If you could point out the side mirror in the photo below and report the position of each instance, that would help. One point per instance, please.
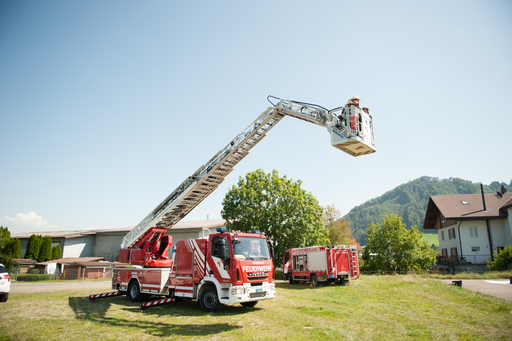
(271, 249)
(223, 249)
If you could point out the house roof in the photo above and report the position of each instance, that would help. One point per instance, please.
(182, 225)
(24, 261)
(465, 207)
(71, 260)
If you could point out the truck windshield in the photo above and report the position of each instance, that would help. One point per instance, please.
(250, 248)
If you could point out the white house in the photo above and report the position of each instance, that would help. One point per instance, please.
(471, 227)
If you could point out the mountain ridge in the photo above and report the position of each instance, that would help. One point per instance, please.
(410, 201)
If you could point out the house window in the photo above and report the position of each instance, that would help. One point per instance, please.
(453, 251)
(451, 234)
(442, 235)
(444, 252)
(475, 249)
(473, 232)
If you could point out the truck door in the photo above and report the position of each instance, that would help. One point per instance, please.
(341, 261)
(219, 263)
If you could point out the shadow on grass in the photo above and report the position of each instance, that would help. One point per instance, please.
(305, 285)
(96, 311)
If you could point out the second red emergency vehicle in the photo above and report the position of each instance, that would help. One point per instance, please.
(332, 264)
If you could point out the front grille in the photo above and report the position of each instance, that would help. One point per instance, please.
(257, 294)
(257, 278)
(256, 284)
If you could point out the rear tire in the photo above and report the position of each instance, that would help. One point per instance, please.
(209, 300)
(314, 280)
(134, 292)
(4, 297)
(249, 304)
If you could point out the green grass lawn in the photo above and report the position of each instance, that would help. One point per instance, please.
(371, 308)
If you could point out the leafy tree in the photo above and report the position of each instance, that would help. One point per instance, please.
(392, 247)
(287, 214)
(502, 261)
(339, 231)
(56, 252)
(5, 236)
(45, 253)
(7, 249)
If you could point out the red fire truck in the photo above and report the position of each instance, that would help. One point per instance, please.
(332, 264)
(225, 267)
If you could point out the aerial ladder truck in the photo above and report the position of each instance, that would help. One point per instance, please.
(224, 267)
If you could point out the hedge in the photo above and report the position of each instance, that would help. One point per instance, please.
(34, 277)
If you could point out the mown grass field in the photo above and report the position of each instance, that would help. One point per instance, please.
(371, 308)
(431, 238)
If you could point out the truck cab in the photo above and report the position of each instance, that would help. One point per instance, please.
(241, 269)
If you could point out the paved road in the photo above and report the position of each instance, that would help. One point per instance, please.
(18, 287)
(495, 287)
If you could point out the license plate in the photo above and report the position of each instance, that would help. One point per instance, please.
(258, 290)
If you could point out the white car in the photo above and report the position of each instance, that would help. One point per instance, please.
(5, 284)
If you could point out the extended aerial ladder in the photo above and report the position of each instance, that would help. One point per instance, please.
(146, 244)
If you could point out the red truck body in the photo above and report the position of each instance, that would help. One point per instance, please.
(333, 264)
(223, 268)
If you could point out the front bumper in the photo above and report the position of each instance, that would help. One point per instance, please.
(247, 293)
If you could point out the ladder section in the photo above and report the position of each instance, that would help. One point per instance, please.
(206, 179)
(308, 112)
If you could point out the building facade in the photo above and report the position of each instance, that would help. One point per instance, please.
(105, 243)
(472, 228)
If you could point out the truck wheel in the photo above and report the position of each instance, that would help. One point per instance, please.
(209, 300)
(345, 282)
(249, 304)
(314, 280)
(290, 278)
(134, 292)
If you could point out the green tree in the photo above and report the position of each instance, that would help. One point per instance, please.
(338, 229)
(56, 252)
(45, 253)
(395, 248)
(5, 236)
(7, 249)
(33, 247)
(287, 214)
(502, 261)
(16, 248)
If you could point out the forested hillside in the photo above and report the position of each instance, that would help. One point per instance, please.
(410, 200)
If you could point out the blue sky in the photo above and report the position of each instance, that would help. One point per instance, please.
(107, 106)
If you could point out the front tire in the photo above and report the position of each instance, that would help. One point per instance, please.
(314, 280)
(134, 292)
(290, 278)
(209, 300)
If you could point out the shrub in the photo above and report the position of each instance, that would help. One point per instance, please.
(33, 271)
(34, 277)
(502, 261)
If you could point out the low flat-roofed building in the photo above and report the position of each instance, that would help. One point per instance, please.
(105, 242)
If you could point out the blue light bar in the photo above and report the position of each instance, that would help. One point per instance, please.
(255, 231)
(221, 229)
